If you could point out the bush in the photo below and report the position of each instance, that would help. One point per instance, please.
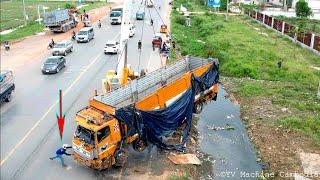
(180, 20)
(302, 9)
(69, 5)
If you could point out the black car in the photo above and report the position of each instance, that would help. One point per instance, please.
(53, 64)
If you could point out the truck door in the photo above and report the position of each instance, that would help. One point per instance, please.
(106, 146)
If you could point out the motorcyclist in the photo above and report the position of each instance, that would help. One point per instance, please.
(6, 45)
(99, 24)
(139, 45)
(73, 35)
(151, 22)
(52, 43)
(164, 47)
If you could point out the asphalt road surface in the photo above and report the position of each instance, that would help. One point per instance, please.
(29, 132)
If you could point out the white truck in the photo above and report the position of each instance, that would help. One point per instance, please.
(116, 15)
(6, 85)
(60, 20)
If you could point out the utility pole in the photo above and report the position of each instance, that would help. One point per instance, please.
(227, 10)
(24, 13)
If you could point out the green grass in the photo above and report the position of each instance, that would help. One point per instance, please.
(12, 16)
(247, 50)
(12, 11)
(310, 125)
(186, 176)
(248, 89)
(25, 31)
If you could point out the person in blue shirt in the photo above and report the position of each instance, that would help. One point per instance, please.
(60, 152)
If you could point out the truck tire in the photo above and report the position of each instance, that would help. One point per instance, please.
(198, 107)
(120, 157)
(8, 97)
(139, 145)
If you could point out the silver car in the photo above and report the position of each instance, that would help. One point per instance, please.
(62, 48)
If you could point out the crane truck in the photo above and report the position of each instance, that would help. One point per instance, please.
(101, 136)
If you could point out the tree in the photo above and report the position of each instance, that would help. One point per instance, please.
(302, 9)
(69, 5)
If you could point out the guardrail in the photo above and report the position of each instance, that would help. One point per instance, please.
(306, 39)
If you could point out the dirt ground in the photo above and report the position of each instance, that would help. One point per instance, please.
(278, 147)
(35, 47)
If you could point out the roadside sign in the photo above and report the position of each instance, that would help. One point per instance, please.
(214, 3)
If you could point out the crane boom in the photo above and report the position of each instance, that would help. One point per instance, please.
(124, 36)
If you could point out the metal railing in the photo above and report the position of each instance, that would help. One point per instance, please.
(146, 85)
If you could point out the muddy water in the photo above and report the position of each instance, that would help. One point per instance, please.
(233, 155)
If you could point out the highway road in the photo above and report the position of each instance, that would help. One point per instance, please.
(29, 132)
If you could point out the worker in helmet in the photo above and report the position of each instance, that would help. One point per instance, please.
(60, 152)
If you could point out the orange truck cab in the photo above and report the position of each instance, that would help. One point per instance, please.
(100, 137)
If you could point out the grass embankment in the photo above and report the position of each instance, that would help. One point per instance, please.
(12, 16)
(278, 98)
(312, 25)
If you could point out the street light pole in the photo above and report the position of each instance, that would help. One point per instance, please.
(24, 13)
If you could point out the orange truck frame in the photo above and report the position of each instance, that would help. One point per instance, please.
(99, 137)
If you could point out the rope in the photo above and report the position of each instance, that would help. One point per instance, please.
(154, 32)
(160, 17)
(142, 32)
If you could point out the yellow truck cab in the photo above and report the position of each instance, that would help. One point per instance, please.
(96, 138)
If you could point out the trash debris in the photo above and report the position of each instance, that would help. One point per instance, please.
(184, 159)
(230, 116)
(264, 166)
(200, 41)
(216, 128)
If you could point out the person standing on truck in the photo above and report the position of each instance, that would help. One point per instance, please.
(60, 152)
(139, 45)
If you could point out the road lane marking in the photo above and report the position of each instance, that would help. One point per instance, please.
(50, 109)
(47, 112)
(148, 66)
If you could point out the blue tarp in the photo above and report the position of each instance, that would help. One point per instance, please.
(154, 126)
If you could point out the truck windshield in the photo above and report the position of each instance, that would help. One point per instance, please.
(85, 135)
(60, 45)
(82, 32)
(115, 14)
(114, 80)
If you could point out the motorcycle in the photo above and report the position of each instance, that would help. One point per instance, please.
(73, 36)
(6, 46)
(151, 22)
(99, 24)
(51, 45)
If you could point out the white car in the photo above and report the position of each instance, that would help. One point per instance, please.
(132, 30)
(112, 47)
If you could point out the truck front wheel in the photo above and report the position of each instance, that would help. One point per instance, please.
(120, 157)
(8, 98)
